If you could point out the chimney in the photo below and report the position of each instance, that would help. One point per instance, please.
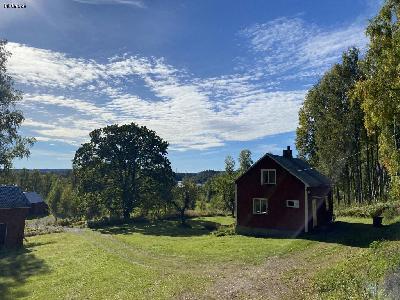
(287, 153)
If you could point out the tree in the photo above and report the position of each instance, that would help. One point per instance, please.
(379, 88)
(245, 161)
(184, 197)
(118, 162)
(224, 186)
(331, 133)
(54, 199)
(12, 145)
(69, 203)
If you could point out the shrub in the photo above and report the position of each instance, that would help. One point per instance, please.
(388, 209)
(225, 230)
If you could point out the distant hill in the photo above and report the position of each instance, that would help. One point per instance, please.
(54, 171)
(200, 177)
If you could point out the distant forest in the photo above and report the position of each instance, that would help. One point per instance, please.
(200, 177)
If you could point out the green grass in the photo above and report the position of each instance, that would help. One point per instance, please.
(164, 261)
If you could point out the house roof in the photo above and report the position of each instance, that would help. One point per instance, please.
(12, 197)
(33, 197)
(298, 168)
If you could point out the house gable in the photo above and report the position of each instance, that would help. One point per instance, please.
(287, 187)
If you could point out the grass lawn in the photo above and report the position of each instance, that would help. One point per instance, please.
(164, 261)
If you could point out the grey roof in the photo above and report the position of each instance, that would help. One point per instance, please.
(12, 196)
(33, 197)
(298, 168)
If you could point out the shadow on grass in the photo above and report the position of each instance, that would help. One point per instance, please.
(355, 234)
(162, 228)
(16, 266)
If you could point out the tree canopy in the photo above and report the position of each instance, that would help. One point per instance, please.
(12, 144)
(121, 165)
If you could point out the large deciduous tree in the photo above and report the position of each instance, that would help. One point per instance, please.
(12, 145)
(379, 89)
(331, 133)
(119, 164)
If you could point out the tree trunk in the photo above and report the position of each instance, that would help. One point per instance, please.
(182, 217)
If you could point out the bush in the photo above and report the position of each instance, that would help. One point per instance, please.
(225, 230)
(388, 209)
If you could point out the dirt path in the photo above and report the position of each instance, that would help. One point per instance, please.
(279, 277)
(285, 277)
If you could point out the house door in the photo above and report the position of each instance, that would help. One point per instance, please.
(3, 232)
(314, 212)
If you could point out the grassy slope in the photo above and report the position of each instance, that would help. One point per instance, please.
(159, 261)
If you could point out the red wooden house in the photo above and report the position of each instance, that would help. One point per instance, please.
(282, 194)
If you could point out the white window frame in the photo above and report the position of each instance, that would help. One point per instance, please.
(296, 203)
(254, 206)
(267, 171)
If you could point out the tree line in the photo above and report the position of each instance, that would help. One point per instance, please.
(349, 125)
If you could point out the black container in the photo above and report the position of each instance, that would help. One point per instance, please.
(377, 221)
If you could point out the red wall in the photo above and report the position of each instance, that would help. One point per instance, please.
(15, 220)
(279, 216)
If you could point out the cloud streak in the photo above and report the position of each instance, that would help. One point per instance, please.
(290, 45)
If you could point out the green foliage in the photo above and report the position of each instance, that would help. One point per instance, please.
(360, 276)
(184, 197)
(245, 160)
(386, 209)
(12, 145)
(379, 89)
(225, 230)
(54, 199)
(332, 137)
(123, 167)
(219, 191)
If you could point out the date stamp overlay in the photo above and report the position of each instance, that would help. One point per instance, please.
(14, 5)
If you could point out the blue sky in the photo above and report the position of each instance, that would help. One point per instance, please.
(211, 77)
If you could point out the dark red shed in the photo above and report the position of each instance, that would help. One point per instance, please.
(282, 194)
(14, 208)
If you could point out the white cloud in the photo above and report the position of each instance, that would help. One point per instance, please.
(189, 112)
(41, 67)
(285, 44)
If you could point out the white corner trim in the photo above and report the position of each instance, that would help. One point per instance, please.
(305, 209)
(236, 210)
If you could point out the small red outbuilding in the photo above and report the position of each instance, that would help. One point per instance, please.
(14, 208)
(282, 194)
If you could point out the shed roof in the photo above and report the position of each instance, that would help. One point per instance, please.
(298, 168)
(11, 196)
(33, 197)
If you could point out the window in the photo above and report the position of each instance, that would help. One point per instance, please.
(268, 176)
(292, 203)
(260, 206)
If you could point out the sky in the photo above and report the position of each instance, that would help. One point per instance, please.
(211, 77)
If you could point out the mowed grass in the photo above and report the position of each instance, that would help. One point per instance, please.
(165, 261)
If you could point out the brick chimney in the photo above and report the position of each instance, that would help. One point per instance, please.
(287, 153)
